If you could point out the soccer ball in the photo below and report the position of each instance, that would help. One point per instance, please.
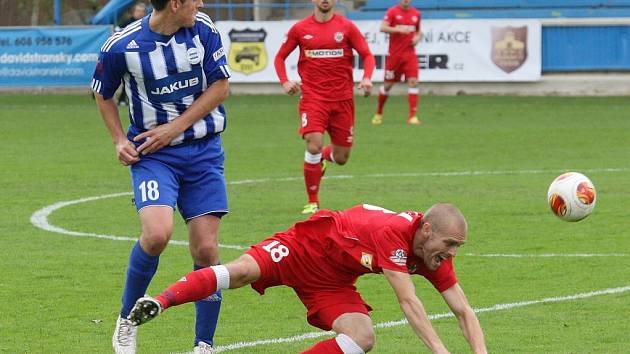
(571, 196)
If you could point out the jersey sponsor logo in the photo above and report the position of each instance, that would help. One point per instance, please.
(509, 47)
(132, 45)
(410, 28)
(338, 37)
(247, 52)
(399, 257)
(193, 56)
(324, 53)
(175, 86)
(366, 260)
(218, 54)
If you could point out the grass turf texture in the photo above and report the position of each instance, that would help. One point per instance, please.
(61, 294)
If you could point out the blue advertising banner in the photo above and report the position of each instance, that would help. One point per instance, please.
(49, 56)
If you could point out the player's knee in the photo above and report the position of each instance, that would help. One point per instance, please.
(366, 340)
(155, 239)
(205, 254)
(342, 158)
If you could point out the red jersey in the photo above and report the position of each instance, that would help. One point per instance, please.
(401, 43)
(368, 239)
(326, 59)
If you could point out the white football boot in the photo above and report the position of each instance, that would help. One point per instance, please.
(124, 339)
(203, 348)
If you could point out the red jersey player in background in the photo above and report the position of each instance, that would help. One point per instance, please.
(326, 41)
(321, 259)
(402, 22)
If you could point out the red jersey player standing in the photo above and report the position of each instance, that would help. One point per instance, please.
(326, 41)
(402, 22)
(321, 259)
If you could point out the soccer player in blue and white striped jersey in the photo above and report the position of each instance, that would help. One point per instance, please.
(174, 70)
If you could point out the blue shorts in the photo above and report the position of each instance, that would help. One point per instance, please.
(188, 175)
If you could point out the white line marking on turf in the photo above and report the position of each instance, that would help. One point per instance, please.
(497, 307)
(543, 255)
(40, 220)
(40, 217)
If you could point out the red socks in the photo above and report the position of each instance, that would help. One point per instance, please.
(312, 179)
(327, 153)
(382, 98)
(329, 346)
(413, 101)
(194, 286)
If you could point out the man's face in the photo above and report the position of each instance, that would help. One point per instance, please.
(139, 12)
(435, 247)
(405, 3)
(324, 6)
(186, 12)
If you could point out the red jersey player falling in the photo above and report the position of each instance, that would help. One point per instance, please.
(321, 259)
(402, 22)
(326, 41)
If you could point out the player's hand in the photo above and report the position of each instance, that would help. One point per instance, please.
(291, 87)
(126, 151)
(156, 138)
(366, 86)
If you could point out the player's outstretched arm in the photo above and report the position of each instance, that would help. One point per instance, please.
(468, 322)
(413, 310)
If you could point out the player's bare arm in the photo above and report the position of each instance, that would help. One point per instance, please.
(468, 322)
(162, 135)
(413, 310)
(125, 149)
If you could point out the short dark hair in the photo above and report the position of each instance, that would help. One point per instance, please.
(159, 5)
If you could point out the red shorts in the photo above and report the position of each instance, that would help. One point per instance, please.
(327, 293)
(398, 66)
(336, 117)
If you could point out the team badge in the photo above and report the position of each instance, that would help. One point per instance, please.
(338, 37)
(509, 47)
(399, 257)
(366, 260)
(193, 56)
(247, 50)
(414, 19)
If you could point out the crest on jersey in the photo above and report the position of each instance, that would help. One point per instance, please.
(247, 50)
(338, 37)
(366, 260)
(399, 257)
(509, 47)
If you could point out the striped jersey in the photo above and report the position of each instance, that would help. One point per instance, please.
(163, 75)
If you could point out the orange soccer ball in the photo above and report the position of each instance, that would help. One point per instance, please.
(572, 196)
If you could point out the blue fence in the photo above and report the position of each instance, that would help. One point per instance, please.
(439, 9)
(585, 48)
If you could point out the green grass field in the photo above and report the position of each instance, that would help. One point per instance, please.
(492, 156)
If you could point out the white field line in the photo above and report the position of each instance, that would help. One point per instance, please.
(40, 217)
(40, 220)
(497, 307)
(545, 255)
